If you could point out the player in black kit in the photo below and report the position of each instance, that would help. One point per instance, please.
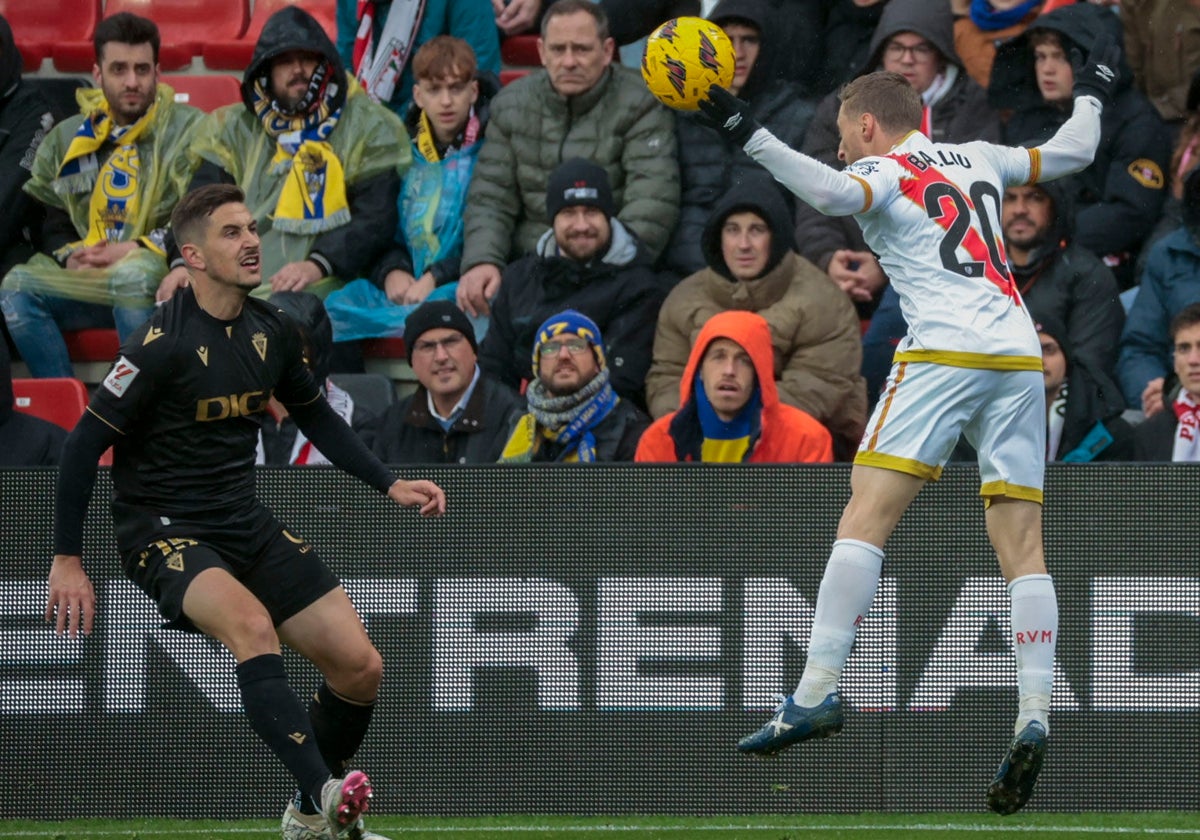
(177, 408)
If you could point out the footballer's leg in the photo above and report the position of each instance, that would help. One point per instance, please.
(879, 498)
(1015, 528)
(330, 634)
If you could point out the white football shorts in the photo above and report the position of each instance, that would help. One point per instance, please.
(926, 406)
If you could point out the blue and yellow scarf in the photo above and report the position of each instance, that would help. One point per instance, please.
(113, 184)
(565, 421)
(313, 199)
(726, 441)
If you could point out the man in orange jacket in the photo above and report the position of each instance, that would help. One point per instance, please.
(729, 405)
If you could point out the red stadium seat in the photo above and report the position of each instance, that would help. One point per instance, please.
(40, 26)
(385, 348)
(507, 76)
(60, 401)
(186, 25)
(203, 91)
(234, 53)
(520, 50)
(93, 345)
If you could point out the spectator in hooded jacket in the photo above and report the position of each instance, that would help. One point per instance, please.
(1119, 198)
(730, 410)
(334, 216)
(1059, 278)
(709, 163)
(26, 115)
(457, 414)
(752, 265)
(579, 105)
(914, 38)
(574, 415)
(590, 261)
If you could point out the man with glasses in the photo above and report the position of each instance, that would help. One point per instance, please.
(574, 414)
(591, 261)
(458, 414)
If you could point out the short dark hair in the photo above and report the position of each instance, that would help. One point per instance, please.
(888, 97)
(1189, 316)
(126, 28)
(190, 216)
(570, 7)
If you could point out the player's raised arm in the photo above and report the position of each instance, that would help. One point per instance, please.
(827, 190)
(1073, 146)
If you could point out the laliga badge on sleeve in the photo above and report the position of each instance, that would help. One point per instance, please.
(121, 376)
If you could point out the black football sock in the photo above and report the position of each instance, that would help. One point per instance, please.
(277, 716)
(340, 725)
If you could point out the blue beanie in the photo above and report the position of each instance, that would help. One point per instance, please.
(575, 323)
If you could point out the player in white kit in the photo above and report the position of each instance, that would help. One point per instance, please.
(970, 364)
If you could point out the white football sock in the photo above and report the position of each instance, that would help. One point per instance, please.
(1034, 634)
(847, 590)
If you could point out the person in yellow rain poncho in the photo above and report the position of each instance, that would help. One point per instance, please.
(105, 182)
(320, 163)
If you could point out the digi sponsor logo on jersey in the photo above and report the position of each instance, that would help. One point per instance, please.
(121, 376)
(234, 405)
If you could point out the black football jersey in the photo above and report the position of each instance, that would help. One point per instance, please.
(184, 393)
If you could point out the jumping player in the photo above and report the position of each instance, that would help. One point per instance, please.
(176, 407)
(971, 365)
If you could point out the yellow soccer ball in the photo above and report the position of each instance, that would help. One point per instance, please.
(683, 58)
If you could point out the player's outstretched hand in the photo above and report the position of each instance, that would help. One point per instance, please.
(728, 115)
(1098, 76)
(424, 495)
(71, 601)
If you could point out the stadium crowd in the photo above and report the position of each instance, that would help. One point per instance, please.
(550, 247)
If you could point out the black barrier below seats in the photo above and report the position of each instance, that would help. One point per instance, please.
(595, 639)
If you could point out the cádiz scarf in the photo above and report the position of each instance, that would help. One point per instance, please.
(567, 421)
(313, 199)
(727, 441)
(113, 184)
(378, 66)
(427, 143)
(1187, 442)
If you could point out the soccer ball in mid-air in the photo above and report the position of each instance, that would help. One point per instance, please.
(685, 57)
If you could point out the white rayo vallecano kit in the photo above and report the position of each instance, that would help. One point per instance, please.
(933, 217)
(931, 213)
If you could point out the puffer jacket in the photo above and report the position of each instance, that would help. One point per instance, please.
(814, 328)
(617, 124)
